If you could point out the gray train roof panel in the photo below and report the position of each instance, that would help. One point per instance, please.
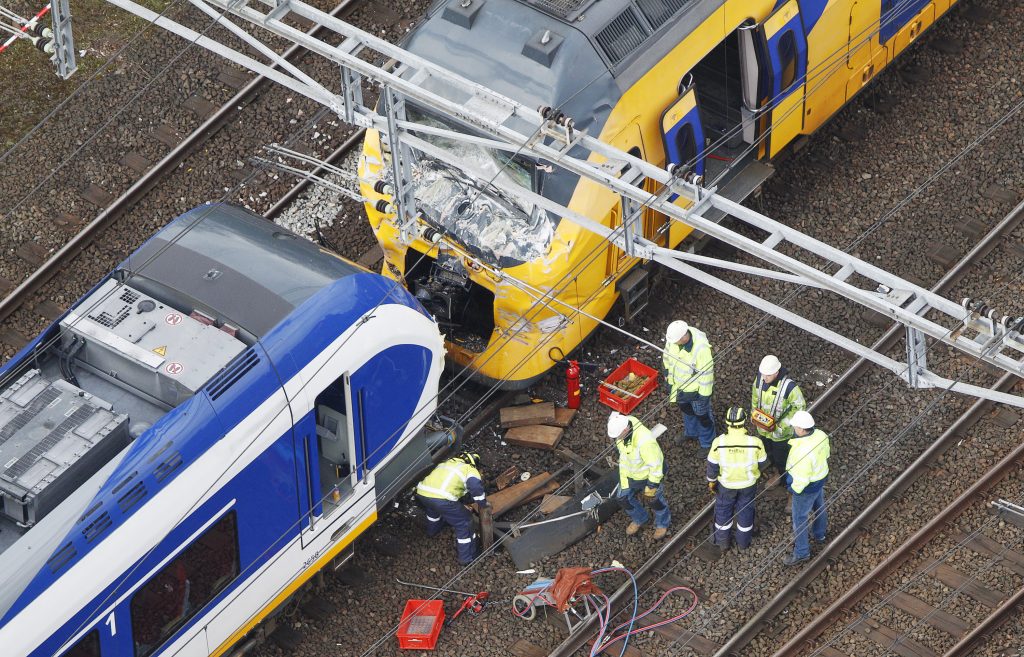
(243, 267)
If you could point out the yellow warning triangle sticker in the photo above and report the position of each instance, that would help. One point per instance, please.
(161, 351)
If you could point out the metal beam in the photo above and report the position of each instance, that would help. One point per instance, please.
(482, 116)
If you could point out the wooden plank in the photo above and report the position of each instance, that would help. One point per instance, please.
(166, 134)
(955, 579)
(505, 479)
(615, 649)
(988, 547)
(563, 417)
(538, 436)
(200, 106)
(98, 196)
(136, 162)
(48, 309)
(67, 220)
(937, 618)
(682, 636)
(33, 253)
(513, 496)
(890, 639)
(669, 580)
(521, 416)
(552, 502)
(232, 78)
(6, 285)
(486, 527)
(523, 648)
(371, 257)
(829, 651)
(12, 337)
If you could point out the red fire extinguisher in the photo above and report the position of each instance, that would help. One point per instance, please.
(572, 384)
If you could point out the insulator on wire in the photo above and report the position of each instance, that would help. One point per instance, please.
(382, 187)
(384, 207)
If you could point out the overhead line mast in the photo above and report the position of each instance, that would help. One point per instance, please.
(544, 134)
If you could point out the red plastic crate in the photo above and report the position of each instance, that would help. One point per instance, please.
(633, 400)
(421, 624)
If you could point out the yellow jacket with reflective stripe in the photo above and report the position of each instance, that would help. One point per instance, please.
(808, 459)
(780, 409)
(738, 456)
(448, 480)
(690, 371)
(641, 458)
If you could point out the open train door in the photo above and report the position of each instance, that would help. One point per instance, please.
(782, 35)
(682, 131)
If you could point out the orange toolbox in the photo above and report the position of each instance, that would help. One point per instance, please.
(620, 399)
(421, 624)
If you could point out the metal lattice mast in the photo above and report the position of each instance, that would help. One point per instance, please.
(63, 40)
(494, 121)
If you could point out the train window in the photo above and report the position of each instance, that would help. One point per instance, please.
(178, 592)
(787, 56)
(88, 646)
(686, 142)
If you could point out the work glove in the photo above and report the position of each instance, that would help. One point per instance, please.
(713, 487)
(650, 492)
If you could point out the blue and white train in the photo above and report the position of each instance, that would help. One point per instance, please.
(211, 425)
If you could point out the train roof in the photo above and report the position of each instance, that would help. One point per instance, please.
(138, 432)
(247, 270)
(578, 55)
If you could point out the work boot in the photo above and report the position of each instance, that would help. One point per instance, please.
(632, 529)
(660, 533)
(793, 560)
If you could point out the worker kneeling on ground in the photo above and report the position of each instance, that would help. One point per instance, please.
(441, 493)
(806, 472)
(641, 468)
(734, 466)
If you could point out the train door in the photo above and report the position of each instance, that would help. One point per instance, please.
(864, 56)
(629, 140)
(329, 438)
(786, 47)
(682, 130)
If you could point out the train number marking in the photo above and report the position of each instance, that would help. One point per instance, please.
(111, 622)
(173, 319)
(174, 368)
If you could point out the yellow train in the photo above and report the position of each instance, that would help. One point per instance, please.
(720, 86)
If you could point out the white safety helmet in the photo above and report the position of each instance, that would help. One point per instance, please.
(802, 420)
(676, 331)
(617, 423)
(770, 364)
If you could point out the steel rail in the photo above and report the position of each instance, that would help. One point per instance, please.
(750, 629)
(992, 621)
(581, 635)
(953, 276)
(123, 203)
(1011, 461)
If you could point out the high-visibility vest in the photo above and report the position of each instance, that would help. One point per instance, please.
(448, 480)
(781, 400)
(690, 371)
(642, 458)
(808, 459)
(737, 455)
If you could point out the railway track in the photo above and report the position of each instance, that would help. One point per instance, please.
(658, 571)
(156, 180)
(940, 580)
(149, 178)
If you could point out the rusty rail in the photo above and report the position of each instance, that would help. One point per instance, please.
(1012, 460)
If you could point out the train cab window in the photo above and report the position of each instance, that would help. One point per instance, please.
(334, 444)
(178, 592)
(787, 55)
(87, 646)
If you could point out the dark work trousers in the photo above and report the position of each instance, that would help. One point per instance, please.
(458, 516)
(778, 453)
(738, 502)
(698, 420)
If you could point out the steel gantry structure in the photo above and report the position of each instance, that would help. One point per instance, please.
(486, 118)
